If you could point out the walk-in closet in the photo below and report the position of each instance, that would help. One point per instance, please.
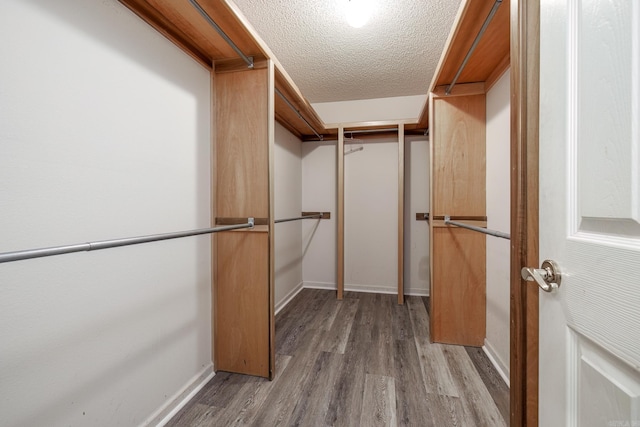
(186, 240)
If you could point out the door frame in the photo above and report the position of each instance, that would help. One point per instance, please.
(525, 82)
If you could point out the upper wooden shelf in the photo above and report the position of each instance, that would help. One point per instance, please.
(181, 23)
(489, 60)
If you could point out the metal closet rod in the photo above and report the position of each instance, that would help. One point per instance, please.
(447, 220)
(320, 137)
(487, 21)
(106, 244)
(205, 15)
(319, 216)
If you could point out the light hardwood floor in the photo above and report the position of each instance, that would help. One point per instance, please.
(362, 361)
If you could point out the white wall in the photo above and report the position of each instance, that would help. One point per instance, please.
(288, 204)
(371, 216)
(498, 218)
(416, 233)
(104, 133)
(319, 195)
(365, 110)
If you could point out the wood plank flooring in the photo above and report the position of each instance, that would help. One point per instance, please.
(362, 361)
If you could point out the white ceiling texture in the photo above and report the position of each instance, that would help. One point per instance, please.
(394, 54)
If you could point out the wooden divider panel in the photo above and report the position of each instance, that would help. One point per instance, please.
(242, 309)
(242, 148)
(459, 154)
(458, 256)
(340, 216)
(459, 299)
(243, 260)
(401, 197)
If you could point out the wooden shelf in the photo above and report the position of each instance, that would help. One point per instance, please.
(181, 23)
(490, 59)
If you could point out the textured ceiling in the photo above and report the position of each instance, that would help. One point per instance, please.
(394, 54)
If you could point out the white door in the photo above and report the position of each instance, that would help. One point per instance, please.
(590, 212)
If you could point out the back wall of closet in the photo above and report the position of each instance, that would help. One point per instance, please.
(371, 216)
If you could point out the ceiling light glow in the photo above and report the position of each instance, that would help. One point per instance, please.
(359, 12)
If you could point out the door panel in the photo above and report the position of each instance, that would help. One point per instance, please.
(589, 212)
(608, 392)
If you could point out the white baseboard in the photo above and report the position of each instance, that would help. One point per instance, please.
(287, 299)
(501, 367)
(417, 292)
(175, 403)
(319, 285)
(366, 288)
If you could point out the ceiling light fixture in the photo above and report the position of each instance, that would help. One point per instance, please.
(359, 12)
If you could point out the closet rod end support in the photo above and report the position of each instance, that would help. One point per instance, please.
(251, 221)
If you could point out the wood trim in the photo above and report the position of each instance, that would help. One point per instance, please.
(459, 218)
(340, 236)
(401, 214)
(500, 69)
(325, 215)
(463, 89)
(432, 136)
(168, 29)
(234, 221)
(376, 124)
(214, 239)
(234, 65)
(525, 57)
(271, 138)
(438, 223)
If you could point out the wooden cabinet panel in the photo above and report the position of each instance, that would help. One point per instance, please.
(242, 151)
(458, 179)
(458, 301)
(458, 162)
(241, 295)
(243, 260)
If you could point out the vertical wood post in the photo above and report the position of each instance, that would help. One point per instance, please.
(271, 131)
(525, 77)
(243, 275)
(340, 236)
(401, 213)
